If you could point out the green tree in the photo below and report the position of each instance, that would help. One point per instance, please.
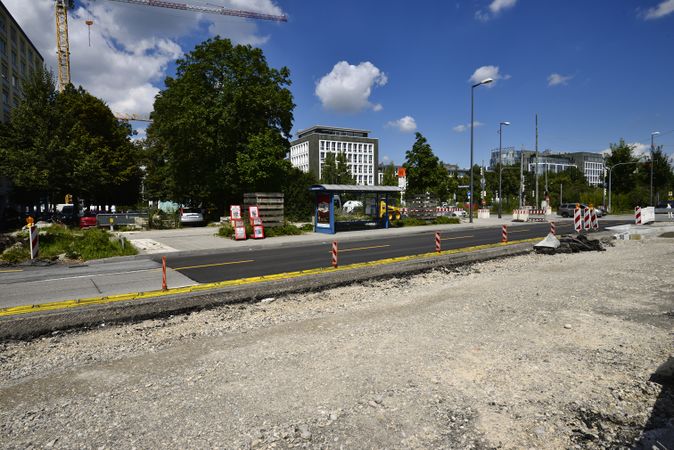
(329, 169)
(343, 173)
(298, 199)
(215, 119)
(623, 177)
(68, 143)
(425, 173)
(390, 178)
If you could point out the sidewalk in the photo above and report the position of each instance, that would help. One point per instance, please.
(205, 238)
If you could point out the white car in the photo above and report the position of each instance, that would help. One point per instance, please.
(459, 213)
(191, 216)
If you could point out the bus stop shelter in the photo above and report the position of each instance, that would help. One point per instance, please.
(374, 199)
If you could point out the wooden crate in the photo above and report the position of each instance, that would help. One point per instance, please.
(270, 207)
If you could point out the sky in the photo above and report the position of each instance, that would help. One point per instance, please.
(594, 71)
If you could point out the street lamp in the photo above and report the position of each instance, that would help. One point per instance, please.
(610, 173)
(500, 164)
(653, 134)
(472, 122)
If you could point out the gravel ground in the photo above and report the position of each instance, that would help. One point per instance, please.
(564, 351)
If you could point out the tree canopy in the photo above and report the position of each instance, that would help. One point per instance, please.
(221, 126)
(68, 143)
(425, 172)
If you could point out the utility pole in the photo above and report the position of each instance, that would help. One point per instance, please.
(561, 187)
(536, 168)
(521, 178)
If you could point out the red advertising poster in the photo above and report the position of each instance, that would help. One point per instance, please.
(323, 211)
(258, 232)
(235, 212)
(254, 215)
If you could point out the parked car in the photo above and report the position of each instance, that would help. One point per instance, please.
(567, 209)
(66, 214)
(349, 206)
(191, 216)
(88, 220)
(460, 213)
(661, 208)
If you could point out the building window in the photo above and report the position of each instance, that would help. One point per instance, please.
(14, 59)
(5, 72)
(5, 97)
(14, 35)
(3, 47)
(14, 83)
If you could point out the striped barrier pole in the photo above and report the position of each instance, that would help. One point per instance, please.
(595, 220)
(553, 228)
(637, 215)
(335, 252)
(504, 234)
(438, 247)
(34, 238)
(577, 220)
(164, 287)
(586, 219)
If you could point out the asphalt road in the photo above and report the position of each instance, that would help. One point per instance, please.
(258, 262)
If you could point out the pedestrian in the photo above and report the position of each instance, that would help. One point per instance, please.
(670, 214)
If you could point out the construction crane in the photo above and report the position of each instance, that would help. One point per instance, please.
(63, 47)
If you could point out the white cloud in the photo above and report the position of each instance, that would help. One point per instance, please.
(556, 79)
(131, 46)
(487, 72)
(405, 124)
(663, 9)
(638, 150)
(495, 7)
(347, 88)
(461, 127)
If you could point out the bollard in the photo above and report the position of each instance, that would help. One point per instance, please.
(577, 220)
(637, 215)
(587, 222)
(335, 252)
(553, 228)
(164, 287)
(504, 234)
(595, 220)
(438, 247)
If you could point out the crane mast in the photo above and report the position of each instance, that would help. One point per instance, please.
(62, 46)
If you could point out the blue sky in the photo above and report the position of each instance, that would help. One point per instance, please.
(594, 71)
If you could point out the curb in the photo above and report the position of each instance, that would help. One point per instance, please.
(29, 321)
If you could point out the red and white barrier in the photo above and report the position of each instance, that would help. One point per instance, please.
(438, 245)
(34, 241)
(335, 253)
(553, 228)
(594, 219)
(163, 274)
(504, 234)
(586, 219)
(577, 220)
(637, 215)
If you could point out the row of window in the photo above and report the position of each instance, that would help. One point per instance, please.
(346, 147)
(353, 158)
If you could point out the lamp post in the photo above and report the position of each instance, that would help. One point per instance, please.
(610, 173)
(472, 122)
(500, 164)
(653, 134)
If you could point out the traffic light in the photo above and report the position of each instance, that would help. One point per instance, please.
(69, 199)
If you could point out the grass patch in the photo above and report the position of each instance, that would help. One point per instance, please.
(75, 244)
(413, 222)
(227, 231)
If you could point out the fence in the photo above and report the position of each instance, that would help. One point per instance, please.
(123, 219)
(422, 207)
(270, 207)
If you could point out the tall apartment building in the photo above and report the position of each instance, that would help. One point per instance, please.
(18, 59)
(309, 150)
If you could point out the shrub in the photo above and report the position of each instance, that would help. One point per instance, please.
(441, 220)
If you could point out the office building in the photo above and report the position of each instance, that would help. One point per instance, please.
(591, 164)
(309, 150)
(18, 59)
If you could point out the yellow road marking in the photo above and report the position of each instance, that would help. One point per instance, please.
(458, 237)
(51, 306)
(360, 248)
(200, 266)
(11, 270)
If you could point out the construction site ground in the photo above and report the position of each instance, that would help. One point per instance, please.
(534, 351)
